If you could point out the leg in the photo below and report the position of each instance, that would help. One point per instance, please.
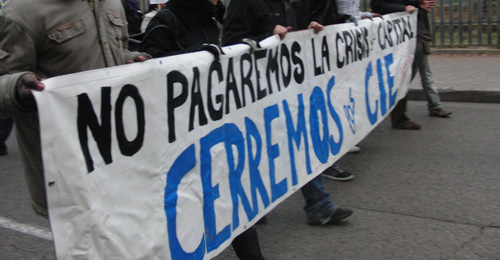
(246, 245)
(398, 114)
(6, 124)
(319, 207)
(28, 139)
(421, 63)
(399, 119)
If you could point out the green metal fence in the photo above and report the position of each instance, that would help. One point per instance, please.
(463, 23)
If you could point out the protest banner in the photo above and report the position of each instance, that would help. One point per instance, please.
(174, 157)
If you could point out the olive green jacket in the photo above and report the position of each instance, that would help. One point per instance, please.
(52, 38)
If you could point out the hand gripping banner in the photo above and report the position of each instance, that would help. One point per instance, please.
(174, 157)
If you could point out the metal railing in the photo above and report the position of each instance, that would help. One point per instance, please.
(463, 23)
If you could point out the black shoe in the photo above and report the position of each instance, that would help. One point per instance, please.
(334, 172)
(3, 149)
(339, 214)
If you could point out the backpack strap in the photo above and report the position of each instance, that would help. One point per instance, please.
(160, 26)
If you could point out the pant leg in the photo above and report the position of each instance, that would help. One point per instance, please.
(246, 245)
(318, 206)
(28, 139)
(398, 114)
(421, 64)
(6, 124)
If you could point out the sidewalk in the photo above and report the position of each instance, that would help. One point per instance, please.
(463, 76)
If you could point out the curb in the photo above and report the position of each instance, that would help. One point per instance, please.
(459, 96)
(466, 51)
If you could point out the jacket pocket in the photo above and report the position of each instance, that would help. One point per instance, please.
(66, 32)
(116, 20)
(117, 31)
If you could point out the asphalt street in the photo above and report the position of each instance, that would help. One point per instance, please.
(427, 194)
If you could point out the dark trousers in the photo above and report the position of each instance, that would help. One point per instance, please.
(398, 114)
(246, 245)
(6, 124)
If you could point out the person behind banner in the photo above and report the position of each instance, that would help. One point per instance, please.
(260, 19)
(187, 26)
(134, 16)
(399, 118)
(325, 12)
(49, 39)
(183, 26)
(351, 7)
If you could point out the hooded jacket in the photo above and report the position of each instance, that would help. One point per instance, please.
(256, 19)
(185, 26)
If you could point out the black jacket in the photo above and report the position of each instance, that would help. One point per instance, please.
(256, 19)
(324, 12)
(189, 24)
(392, 6)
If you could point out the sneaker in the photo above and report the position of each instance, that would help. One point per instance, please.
(336, 173)
(3, 149)
(339, 214)
(439, 112)
(354, 149)
(410, 125)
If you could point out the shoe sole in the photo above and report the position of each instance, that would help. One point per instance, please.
(448, 115)
(337, 178)
(354, 151)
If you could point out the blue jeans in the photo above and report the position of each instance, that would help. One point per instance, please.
(319, 208)
(421, 64)
(6, 124)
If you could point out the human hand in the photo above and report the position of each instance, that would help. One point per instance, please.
(139, 58)
(427, 4)
(352, 19)
(371, 16)
(410, 9)
(26, 84)
(315, 26)
(215, 49)
(281, 31)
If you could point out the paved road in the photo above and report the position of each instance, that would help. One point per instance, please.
(428, 194)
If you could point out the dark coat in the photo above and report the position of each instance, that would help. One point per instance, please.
(256, 19)
(190, 23)
(392, 6)
(324, 12)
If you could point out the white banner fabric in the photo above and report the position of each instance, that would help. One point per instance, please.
(174, 157)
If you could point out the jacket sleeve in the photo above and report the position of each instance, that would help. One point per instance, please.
(15, 61)
(238, 24)
(391, 6)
